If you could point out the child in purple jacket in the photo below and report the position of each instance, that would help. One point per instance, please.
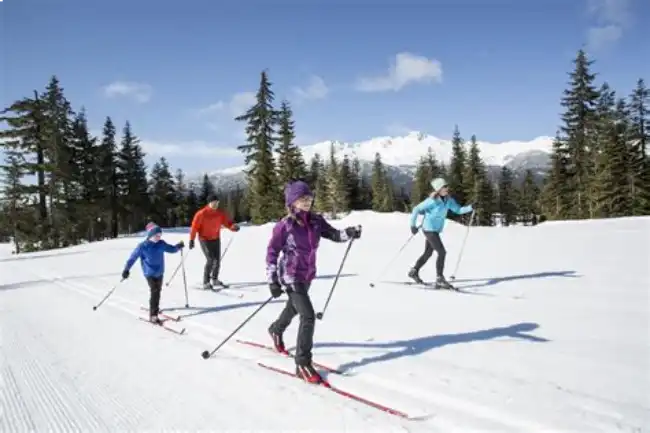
(297, 236)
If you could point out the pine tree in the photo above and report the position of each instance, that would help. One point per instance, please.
(382, 188)
(109, 179)
(291, 165)
(182, 214)
(579, 121)
(528, 198)
(336, 186)
(25, 120)
(162, 192)
(478, 189)
(456, 170)
(132, 182)
(507, 204)
(14, 192)
(350, 183)
(264, 192)
(426, 170)
(207, 189)
(640, 158)
(556, 195)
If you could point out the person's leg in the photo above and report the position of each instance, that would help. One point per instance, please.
(215, 251)
(209, 262)
(155, 287)
(283, 321)
(439, 248)
(414, 273)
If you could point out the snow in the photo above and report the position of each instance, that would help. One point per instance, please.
(407, 149)
(551, 336)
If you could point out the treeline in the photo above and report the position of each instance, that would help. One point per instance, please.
(600, 164)
(62, 186)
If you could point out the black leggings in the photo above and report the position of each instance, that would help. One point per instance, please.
(155, 287)
(298, 303)
(433, 243)
(212, 251)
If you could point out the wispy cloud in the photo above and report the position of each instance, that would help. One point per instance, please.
(407, 68)
(235, 106)
(139, 92)
(315, 89)
(196, 148)
(611, 19)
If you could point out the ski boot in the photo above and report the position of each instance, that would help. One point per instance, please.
(218, 284)
(443, 284)
(415, 276)
(309, 374)
(155, 319)
(278, 342)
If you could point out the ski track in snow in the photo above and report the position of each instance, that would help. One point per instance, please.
(52, 377)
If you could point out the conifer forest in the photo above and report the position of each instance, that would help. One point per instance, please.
(61, 186)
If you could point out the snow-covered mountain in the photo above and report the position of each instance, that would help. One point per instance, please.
(400, 155)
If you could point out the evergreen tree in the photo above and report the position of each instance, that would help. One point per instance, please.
(507, 197)
(382, 188)
(556, 196)
(109, 179)
(207, 189)
(640, 158)
(315, 170)
(14, 195)
(336, 186)
(426, 170)
(478, 189)
(579, 121)
(457, 164)
(291, 165)
(163, 193)
(132, 182)
(265, 195)
(528, 197)
(182, 214)
(349, 183)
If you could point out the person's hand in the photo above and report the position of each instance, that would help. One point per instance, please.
(180, 245)
(353, 232)
(276, 290)
(125, 274)
(414, 229)
(191, 243)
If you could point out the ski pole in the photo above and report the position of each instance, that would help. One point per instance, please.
(226, 250)
(110, 292)
(396, 255)
(182, 263)
(187, 301)
(462, 247)
(319, 316)
(205, 354)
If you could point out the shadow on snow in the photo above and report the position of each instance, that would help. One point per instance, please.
(420, 345)
(496, 280)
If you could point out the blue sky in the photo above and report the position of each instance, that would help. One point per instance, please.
(180, 71)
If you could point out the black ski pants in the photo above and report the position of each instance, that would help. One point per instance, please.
(212, 251)
(433, 243)
(298, 303)
(155, 287)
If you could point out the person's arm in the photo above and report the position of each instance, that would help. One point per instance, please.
(336, 235)
(276, 243)
(196, 224)
(423, 207)
(168, 248)
(457, 209)
(227, 221)
(135, 255)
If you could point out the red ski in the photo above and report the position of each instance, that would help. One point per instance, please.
(164, 326)
(290, 355)
(166, 316)
(338, 391)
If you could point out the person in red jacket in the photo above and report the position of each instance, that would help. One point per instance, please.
(207, 223)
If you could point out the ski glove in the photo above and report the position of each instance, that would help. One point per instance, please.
(353, 232)
(276, 290)
(125, 274)
(180, 245)
(191, 243)
(414, 229)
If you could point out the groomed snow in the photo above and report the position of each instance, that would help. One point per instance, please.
(552, 336)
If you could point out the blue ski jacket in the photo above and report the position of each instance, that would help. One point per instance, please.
(152, 257)
(435, 212)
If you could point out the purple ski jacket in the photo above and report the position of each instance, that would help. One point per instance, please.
(294, 242)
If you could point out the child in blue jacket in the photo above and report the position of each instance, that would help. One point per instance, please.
(434, 209)
(151, 253)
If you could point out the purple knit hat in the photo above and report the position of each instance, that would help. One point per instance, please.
(294, 190)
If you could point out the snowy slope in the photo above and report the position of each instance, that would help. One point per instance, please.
(401, 153)
(551, 336)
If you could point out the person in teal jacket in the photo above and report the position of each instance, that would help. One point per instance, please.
(151, 253)
(434, 209)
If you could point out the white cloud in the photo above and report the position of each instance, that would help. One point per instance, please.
(406, 69)
(237, 105)
(188, 149)
(140, 92)
(315, 89)
(611, 18)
